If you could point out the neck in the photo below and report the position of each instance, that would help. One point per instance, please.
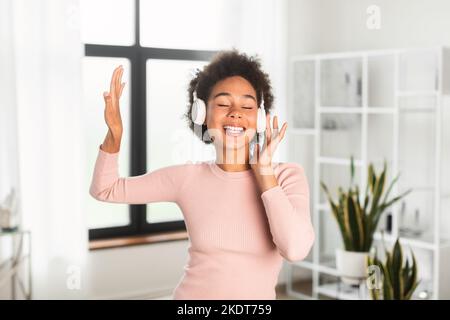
(233, 159)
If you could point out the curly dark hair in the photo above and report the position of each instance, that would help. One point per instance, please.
(226, 64)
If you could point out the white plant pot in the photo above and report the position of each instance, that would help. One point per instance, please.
(351, 265)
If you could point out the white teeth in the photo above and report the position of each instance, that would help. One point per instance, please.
(234, 131)
(237, 129)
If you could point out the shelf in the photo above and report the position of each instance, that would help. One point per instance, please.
(417, 109)
(338, 161)
(372, 110)
(380, 110)
(332, 290)
(299, 295)
(339, 109)
(416, 93)
(423, 243)
(376, 106)
(357, 110)
(322, 268)
(304, 264)
(303, 131)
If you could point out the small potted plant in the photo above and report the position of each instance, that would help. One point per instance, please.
(358, 219)
(398, 276)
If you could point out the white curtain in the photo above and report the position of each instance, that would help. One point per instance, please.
(42, 154)
(8, 133)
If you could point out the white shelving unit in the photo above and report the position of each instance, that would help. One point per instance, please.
(375, 105)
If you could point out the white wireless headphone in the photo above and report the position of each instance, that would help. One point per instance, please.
(198, 113)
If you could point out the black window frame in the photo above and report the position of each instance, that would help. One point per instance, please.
(138, 56)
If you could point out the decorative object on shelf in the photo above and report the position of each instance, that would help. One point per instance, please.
(8, 212)
(358, 219)
(388, 226)
(329, 124)
(398, 275)
(406, 229)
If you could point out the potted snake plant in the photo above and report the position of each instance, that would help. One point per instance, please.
(357, 217)
(397, 276)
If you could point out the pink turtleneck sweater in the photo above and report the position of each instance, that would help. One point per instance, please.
(238, 236)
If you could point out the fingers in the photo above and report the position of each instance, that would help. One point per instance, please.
(112, 85)
(116, 86)
(278, 138)
(119, 82)
(268, 129)
(121, 89)
(112, 89)
(283, 130)
(275, 126)
(277, 135)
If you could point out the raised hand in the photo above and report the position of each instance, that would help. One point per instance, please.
(263, 159)
(113, 118)
(112, 108)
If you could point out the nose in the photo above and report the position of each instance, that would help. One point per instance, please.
(235, 113)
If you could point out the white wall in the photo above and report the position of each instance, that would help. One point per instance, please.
(138, 271)
(340, 25)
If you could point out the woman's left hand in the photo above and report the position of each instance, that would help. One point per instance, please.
(263, 159)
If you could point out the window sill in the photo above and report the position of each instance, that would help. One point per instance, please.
(137, 240)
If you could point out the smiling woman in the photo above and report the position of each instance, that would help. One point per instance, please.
(230, 70)
(243, 214)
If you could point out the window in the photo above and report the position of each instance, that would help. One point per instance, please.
(157, 70)
(96, 73)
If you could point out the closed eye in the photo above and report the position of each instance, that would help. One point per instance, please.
(247, 107)
(223, 105)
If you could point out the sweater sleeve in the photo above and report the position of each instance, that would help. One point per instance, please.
(157, 186)
(288, 211)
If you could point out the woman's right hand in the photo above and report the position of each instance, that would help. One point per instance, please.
(112, 107)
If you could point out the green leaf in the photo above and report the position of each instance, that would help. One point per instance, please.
(360, 222)
(377, 191)
(352, 170)
(371, 177)
(388, 292)
(390, 187)
(397, 260)
(391, 202)
(353, 223)
(412, 283)
(337, 212)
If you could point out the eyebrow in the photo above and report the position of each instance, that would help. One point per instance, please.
(229, 95)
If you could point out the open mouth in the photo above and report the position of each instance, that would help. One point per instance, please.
(234, 131)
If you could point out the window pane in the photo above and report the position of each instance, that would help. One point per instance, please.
(107, 21)
(169, 140)
(96, 79)
(194, 24)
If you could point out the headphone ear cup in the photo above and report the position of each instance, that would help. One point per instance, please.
(261, 121)
(198, 114)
